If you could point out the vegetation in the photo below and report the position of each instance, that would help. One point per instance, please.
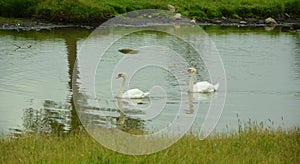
(85, 11)
(253, 144)
(10, 20)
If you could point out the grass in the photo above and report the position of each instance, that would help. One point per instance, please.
(85, 11)
(253, 144)
(10, 20)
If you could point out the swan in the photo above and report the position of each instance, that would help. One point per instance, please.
(203, 86)
(132, 93)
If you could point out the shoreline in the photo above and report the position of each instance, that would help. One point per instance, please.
(291, 24)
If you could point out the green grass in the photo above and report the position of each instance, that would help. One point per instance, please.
(254, 144)
(10, 20)
(85, 11)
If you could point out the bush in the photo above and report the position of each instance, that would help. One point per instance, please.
(17, 8)
(293, 7)
(227, 11)
(80, 11)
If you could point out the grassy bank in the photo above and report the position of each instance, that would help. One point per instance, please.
(253, 145)
(87, 11)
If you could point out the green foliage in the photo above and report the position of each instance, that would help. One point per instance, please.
(213, 13)
(227, 11)
(96, 10)
(254, 143)
(17, 8)
(10, 20)
(293, 8)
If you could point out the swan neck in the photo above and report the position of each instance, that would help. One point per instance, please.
(120, 105)
(122, 87)
(191, 83)
(190, 97)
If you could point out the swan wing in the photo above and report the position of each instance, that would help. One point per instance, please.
(132, 102)
(135, 93)
(216, 86)
(204, 86)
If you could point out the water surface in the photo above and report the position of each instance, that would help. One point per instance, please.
(262, 71)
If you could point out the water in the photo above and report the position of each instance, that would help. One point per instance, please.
(263, 75)
(35, 79)
(262, 72)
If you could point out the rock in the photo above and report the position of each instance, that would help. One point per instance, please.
(193, 21)
(171, 8)
(286, 14)
(177, 16)
(270, 21)
(243, 22)
(218, 22)
(296, 26)
(224, 18)
(260, 21)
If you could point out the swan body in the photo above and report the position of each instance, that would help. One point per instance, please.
(131, 93)
(203, 86)
(135, 93)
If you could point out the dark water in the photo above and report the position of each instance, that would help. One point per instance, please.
(262, 71)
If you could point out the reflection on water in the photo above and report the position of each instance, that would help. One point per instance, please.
(128, 124)
(35, 83)
(52, 118)
(263, 76)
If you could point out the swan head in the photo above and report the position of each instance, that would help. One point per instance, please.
(191, 70)
(121, 75)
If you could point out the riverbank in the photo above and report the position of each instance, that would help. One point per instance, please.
(37, 25)
(93, 13)
(251, 145)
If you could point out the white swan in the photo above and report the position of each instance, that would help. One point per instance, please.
(132, 93)
(203, 86)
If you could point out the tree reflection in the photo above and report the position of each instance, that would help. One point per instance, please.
(71, 44)
(52, 118)
(56, 117)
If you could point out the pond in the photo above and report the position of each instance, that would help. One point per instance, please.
(37, 82)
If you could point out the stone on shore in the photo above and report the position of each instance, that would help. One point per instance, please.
(171, 8)
(270, 21)
(177, 16)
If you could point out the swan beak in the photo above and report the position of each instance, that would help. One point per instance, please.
(118, 76)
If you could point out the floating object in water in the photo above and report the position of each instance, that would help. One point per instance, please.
(128, 51)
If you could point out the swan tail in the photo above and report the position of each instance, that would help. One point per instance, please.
(146, 94)
(216, 86)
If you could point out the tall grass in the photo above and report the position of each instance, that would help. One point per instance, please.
(95, 10)
(252, 144)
